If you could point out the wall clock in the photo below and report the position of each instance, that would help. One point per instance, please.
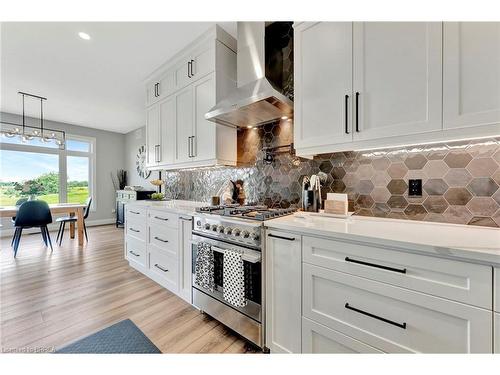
(140, 162)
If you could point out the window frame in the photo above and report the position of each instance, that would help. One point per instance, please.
(63, 165)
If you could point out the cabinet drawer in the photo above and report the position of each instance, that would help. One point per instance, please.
(137, 229)
(135, 251)
(138, 213)
(164, 219)
(165, 239)
(317, 338)
(496, 289)
(451, 279)
(163, 269)
(393, 319)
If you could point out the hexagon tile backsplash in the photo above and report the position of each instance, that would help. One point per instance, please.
(460, 180)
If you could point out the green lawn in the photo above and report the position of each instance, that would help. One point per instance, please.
(75, 195)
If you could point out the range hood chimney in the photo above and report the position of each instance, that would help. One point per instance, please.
(265, 77)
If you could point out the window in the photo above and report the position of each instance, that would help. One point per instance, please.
(39, 170)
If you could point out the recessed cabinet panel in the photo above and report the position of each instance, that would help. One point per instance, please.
(184, 128)
(167, 130)
(471, 74)
(204, 143)
(397, 78)
(497, 333)
(153, 134)
(323, 83)
(182, 73)
(203, 61)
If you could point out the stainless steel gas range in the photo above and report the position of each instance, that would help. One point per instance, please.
(241, 228)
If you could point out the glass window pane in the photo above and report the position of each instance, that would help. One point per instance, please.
(74, 145)
(78, 179)
(28, 175)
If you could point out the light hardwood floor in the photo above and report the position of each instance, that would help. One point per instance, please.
(51, 299)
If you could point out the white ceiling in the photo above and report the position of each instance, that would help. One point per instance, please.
(96, 83)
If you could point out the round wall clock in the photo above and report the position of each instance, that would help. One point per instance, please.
(140, 162)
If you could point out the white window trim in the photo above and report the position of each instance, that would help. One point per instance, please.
(63, 154)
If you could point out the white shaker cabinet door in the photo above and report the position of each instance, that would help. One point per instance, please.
(167, 130)
(323, 84)
(497, 333)
(203, 143)
(471, 74)
(283, 292)
(184, 124)
(397, 79)
(153, 134)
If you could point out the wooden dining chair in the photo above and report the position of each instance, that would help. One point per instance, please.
(72, 219)
(32, 214)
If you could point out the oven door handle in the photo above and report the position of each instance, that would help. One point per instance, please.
(248, 255)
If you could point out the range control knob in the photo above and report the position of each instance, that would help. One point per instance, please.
(254, 236)
(236, 232)
(214, 227)
(198, 223)
(228, 230)
(220, 228)
(245, 234)
(207, 226)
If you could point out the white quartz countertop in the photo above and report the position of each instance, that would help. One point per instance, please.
(178, 206)
(451, 240)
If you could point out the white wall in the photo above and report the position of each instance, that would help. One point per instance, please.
(110, 156)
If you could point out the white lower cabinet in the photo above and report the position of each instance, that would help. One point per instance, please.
(497, 333)
(158, 244)
(393, 319)
(283, 292)
(317, 338)
(496, 288)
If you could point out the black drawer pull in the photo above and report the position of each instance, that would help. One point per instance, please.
(400, 325)
(281, 238)
(134, 212)
(347, 259)
(160, 268)
(161, 218)
(357, 112)
(159, 239)
(134, 254)
(134, 230)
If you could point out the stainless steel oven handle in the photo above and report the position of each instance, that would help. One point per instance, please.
(250, 256)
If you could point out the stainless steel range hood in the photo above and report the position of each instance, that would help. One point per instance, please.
(257, 100)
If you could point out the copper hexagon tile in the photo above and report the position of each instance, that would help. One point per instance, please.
(381, 164)
(457, 159)
(457, 215)
(397, 187)
(482, 206)
(397, 170)
(482, 167)
(381, 178)
(436, 218)
(380, 194)
(482, 186)
(436, 168)
(397, 202)
(364, 187)
(436, 204)
(483, 221)
(496, 217)
(365, 201)
(457, 177)
(415, 161)
(435, 186)
(458, 196)
(365, 171)
(415, 212)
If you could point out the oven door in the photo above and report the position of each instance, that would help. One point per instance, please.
(252, 263)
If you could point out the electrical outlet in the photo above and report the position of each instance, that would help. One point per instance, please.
(415, 188)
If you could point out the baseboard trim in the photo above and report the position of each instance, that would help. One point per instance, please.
(9, 232)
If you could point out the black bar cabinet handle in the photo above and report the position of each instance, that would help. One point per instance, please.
(357, 112)
(347, 259)
(192, 63)
(160, 239)
(281, 238)
(347, 114)
(400, 325)
(189, 69)
(161, 218)
(134, 212)
(134, 230)
(158, 88)
(160, 267)
(134, 254)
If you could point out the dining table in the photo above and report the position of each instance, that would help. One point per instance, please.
(71, 209)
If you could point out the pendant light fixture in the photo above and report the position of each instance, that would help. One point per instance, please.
(27, 133)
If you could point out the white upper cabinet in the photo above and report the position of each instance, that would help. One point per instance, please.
(397, 78)
(471, 74)
(188, 87)
(323, 83)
